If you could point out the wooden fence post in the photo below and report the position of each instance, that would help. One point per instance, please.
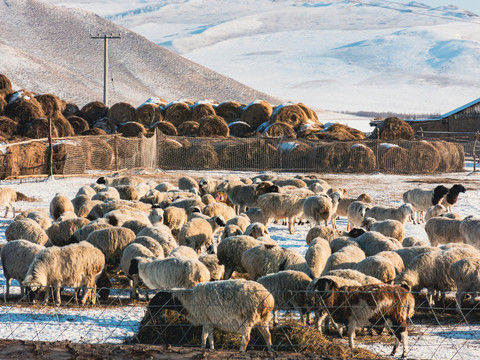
(50, 147)
(475, 152)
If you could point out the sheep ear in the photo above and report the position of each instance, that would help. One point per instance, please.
(220, 221)
(405, 286)
(324, 286)
(101, 180)
(133, 269)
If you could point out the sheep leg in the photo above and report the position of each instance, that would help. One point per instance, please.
(266, 336)
(291, 226)
(204, 337)
(351, 334)
(47, 294)
(7, 290)
(275, 317)
(458, 300)
(245, 331)
(228, 273)
(56, 296)
(13, 210)
(6, 211)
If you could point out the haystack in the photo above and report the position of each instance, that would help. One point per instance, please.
(63, 127)
(280, 130)
(165, 127)
(24, 110)
(148, 114)
(98, 153)
(59, 158)
(361, 158)
(392, 158)
(106, 124)
(330, 156)
(312, 115)
(294, 155)
(340, 132)
(458, 157)
(257, 113)
(94, 132)
(188, 128)
(213, 126)
(71, 110)
(201, 110)
(121, 112)
(171, 154)
(10, 165)
(8, 127)
(309, 131)
(132, 129)
(38, 129)
(423, 158)
(240, 129)
(230, 111)
(3, 104)
(34, 158)
(177, 113)
(246, 154)
(93, 111)
(79, 124)
(395, 128)
(5, 85)
(445, 153)
(52, 105)
(290, 114)
(201, 156)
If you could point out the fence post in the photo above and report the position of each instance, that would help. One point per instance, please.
(377, 149)
(116, 151)
(50, 147)
(475, 152)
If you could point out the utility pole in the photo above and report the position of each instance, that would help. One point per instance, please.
(105, 38)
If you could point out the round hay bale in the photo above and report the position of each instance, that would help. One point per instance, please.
(280, 130)
(395, 128)
(393, 158)
(201, 110)
(59, 158)
(3, 104)
(213, 126)
(256, 113)
(24, 109)
(71, 110)
(177, 113)
(34, 158)
(165, 127)
(362, 158)
(458, 156)
(64, 129)
(423, 158)
(330, 156)
(38, 129)
(79, 124)
(93, 111)
(230, 111)
(148, 114)
(240, 129)
(445, 153)
(202, 156)
(121, 112)
(106, 124)
(5, 85)
(171, 153)
(290, 114)
(94, 132)
(310, 131)
(294, 155)
(8, 127)
(98, 153)
(312, 115)
(249, 154)
(188, 128)
(10, 164)
(52, 105)
(340, 132)
(132, 129)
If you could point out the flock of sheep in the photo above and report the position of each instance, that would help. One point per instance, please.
(197, 241)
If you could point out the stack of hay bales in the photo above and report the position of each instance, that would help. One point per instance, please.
(338, 131)
(212, 126)
(279, 130)
(254, 153)
(79, 124)
(178, 112)
(452, 156)
(257, 113)
(230, 111)
(171, 153)
(294, 155)
(202, 109)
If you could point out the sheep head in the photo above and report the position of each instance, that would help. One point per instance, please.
(438, 193)
(165, 300)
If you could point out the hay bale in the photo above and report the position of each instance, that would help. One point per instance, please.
(106, 124)
(394, 128)
(445, 153)
(212, 126)
(8, 127)
(240, 129)
(393, 158)
(188, 128)
(78, 124)
(132, 129)
(148, 114)
(38, 129)
(294, 155)
(171, 153)
(93, 111)
(340, 132)
(361, 158)
(5, 85)
(121, 112)
(34, 158)
(64, 129)
(165, 127)
(201, 110)
(330, 156)
(290, 114)
(59, 158)
(312, 115)
(458, 157)
(99, 155)
(230, 111)
(256, 113)
(280, 130)
(248, 154)
(309, 131)
(71, 109)
(94, 132)
(3, 104)
(177, 113)
(24, 109)
(52, 105)
(10, 166)
(423, 158)
(201, 156)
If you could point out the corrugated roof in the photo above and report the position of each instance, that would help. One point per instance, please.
(460, 108)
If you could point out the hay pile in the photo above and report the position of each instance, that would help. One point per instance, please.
(24, 109)
(423, 157)
(93, 111)
(392, 158)
(99, 155)
(148, 114)
(280, 130)
(201, 110)
(71, 110)
(290, 114)
(330, 156)
(165, 127)
(294, 155)
(212, 126)
(106, 124)
(257, 113)
(452, 157)
(361, 158)
(340, 132)
(64, 129)
(312, 115)
(201, 156)
(78, 124)
(121, 112)
(230, 111)
(8, 127)
(34, 158)
(132, 129)
(171, 153)
(394, 128)
(10, 166)
(309, 131)
(249, 154)
(240, 129)
(188, 128)
(52, 105)
(5, 85)
(3, 104)
(177, 113)
(39, 129)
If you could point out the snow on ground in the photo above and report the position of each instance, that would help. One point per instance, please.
(113, 324)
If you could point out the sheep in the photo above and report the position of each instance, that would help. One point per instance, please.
(8, 196)
(355, 275)
(451, 197)
(123, 180)
(111, 241)
(135, 225)
(344, 203)
(86, 190)
(452, 215)
(16, 258)
(60, 233)
(356, 213)
(184, 251)
(434, 211)
(162, 234)
(254, 214)
(199, 232)
(72, 265)
(361, 305)
(239, 194)
(281, 206)
(87, 208)
(402, 213)
(211, 261)
(291, 182)
(467, 280)
(410, 241)
(409, 253)
(41, 216)
(470, 231)
(165, 187)
(345, 258)
(442, 230)
(268, 258)
(151, 244)
(59, 204)
(79, 201)
(231, 230)
(378, 267)
(341, 242)
(128, 192)
(109, 193)
(174, 217)
(208, 185)
(395, 259)
(230, 250)
(83, 232)
(324, 232)
(132, 251)
(320, 208)
(230, 305)
(169, 273)
(208, 199)
(219, 209)
(373, 242)
(187, 183)
(188, 203)
(317, 255)
(26, 229)
(421, 200)
(288, 288)
(256, 230)
(390, 228)
(119, 216)
(67, 215)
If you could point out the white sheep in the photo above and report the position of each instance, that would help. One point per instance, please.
(239, 194)
(8, 196)
(199, 232)
(409, 253)
(317, 255)
(41, 216)
(324, 232)
(434, 211)
(410, 241)
(220, 209)
(59, 204)
(109, 193)
(320, 208)
(356, 213)
(165, 187)
(395, 259)
(256, 230)
(184, 251)
(377, 266)
(174, 217)
(151, 244)
(373, 242)
(111, 241)
(230, 250)
(211, 261)
(82, 233)
(467, 279)
(230, 305)
(208, 185)
(26, 229)
(442, 230)
(402, 213)
(128, 192)
(344, 203)
(230, 230)
(390, 228)
(187, 183)
(254, 214)
(470, 231)
(423, 199)
(281, 206)
(16, 257)
(163, 235)
(345, 258)
(60, 233)
(355, 275)
(122, 180)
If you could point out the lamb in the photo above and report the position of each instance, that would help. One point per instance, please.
(230, 305)
(344, 203)
(356, 214)
(451, 197)
(378, 303)
(317, 255)
(26, 229)
(280, 206)
(421, 200)
(8, 196)
(230, 252)
(60, 233)
(268, 258)
(174, 217)
(288, 288)
(434, 211)
(16, 257)
(470, 231)
(77, 265)
(402, 213)
(442, 230)
(256, 230)
(320, 208)
(467, 280)
(219, 209)
(378, 267)
(169, 273)
(59, 204)
(217, 271)
(199, 232)
(111, 241)
(345, 258)
(390, 228)
(373, 242)
(162, 234)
